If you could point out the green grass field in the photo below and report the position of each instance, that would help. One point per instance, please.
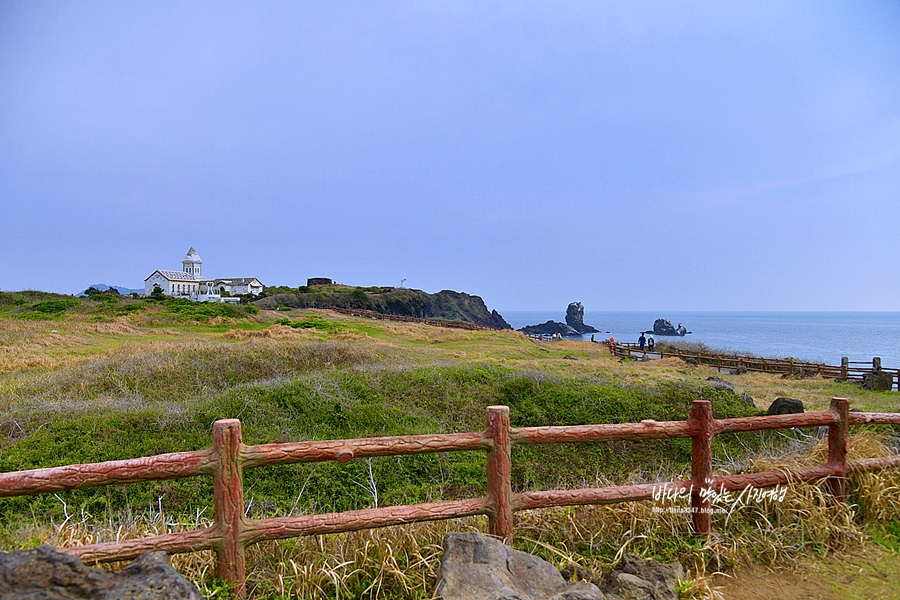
(107, 378)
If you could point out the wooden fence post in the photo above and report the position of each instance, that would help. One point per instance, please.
(228, 503)
(499, 465)
(845, 367)
(838, 445)
(701, 465)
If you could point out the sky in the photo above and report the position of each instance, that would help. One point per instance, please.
(629, 155)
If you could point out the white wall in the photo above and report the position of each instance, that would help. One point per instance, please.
(155, 280)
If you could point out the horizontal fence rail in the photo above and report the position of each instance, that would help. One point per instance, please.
(783, 366)
(228, 457)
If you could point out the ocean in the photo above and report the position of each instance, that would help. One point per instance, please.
(813, 336)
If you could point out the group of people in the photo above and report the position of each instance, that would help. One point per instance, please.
(648, 342)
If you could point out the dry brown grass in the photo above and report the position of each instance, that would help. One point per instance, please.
(130, 366)
(26, 345)
(162, 371)
(402, 562)
(275, 332)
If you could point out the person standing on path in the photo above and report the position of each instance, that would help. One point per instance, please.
(650, 343)
(642, 341)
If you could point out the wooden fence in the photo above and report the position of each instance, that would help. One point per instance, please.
(847, 371)
(228, 457)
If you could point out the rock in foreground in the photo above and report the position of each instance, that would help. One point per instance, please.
(45, 574)
(785, 406)
(639, 579)
(478, 567)
(878, 379)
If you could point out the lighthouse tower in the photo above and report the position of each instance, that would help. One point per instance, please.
(192, 265)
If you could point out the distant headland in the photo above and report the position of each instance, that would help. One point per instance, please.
(319, 292)
(405, 302)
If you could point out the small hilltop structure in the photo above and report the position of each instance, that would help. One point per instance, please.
(190, 283)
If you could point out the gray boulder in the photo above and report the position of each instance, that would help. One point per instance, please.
(800, 373)
(45, 574)
(639, 579)
(878, 380)
(785, 406)
(719, 383)
(747, 398)
(575, 319)
(478, 567)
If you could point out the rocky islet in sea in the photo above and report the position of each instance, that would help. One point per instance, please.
(574, 325)
(665, 328)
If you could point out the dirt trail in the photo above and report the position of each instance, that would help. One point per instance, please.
(870, 574)
(755, 582)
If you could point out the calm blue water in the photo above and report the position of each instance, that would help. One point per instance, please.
(813, 336)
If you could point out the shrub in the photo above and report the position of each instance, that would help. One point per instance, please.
(186, 310)
(92, 291)
(48, 307)
(312, 322)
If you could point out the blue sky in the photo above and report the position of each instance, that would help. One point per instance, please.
(629, 155)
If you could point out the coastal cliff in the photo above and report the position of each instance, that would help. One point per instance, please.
(446, 304)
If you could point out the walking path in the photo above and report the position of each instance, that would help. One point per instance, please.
(870, 372)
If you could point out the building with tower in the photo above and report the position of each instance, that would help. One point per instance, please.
(190, 283)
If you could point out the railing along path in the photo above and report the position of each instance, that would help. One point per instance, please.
(228, 457)
(785, 366)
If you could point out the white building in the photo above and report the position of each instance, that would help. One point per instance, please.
(190, 283)
(236, 286)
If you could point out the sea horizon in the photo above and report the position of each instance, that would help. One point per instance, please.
(818, 336)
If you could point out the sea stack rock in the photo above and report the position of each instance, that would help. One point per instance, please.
(575, 319)
(664, 327)
(549, 328)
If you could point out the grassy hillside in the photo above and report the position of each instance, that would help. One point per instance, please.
(99, 380)
(446, 304)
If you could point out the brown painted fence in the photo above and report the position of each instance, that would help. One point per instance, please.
(228, 457)
(847, 371)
